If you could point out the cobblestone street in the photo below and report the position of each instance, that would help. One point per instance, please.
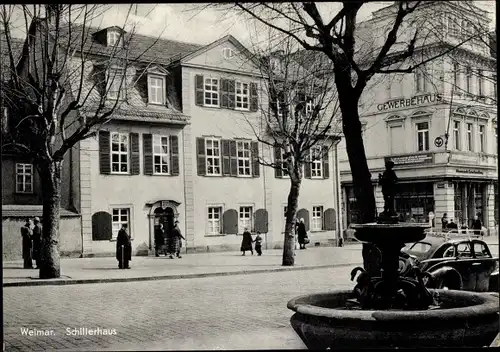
(233, 312)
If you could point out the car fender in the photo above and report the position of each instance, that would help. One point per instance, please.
(493, 282)
(447, 273)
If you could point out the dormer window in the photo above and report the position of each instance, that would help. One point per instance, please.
(275, 64)
(115, 38)
(227, 53)
(116, 84)
(156, 86)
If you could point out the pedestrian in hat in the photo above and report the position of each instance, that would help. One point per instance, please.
(26, 234)
(176, 240)
(37, 241)
(123, 248)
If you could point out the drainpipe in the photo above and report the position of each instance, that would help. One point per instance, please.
(340, 235)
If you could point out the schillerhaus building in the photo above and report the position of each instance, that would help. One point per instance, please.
(407, 117)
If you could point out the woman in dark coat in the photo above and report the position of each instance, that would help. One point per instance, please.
(26, 233)
(177, 239)
(37, 241)
(302, 234)
(246, 242)
(123, 248)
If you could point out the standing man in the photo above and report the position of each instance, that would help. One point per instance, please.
(477, 225)
(159, 239)
(26, 234)
(123, 248)
(37, 241)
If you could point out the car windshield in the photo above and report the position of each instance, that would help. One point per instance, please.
(418, 247)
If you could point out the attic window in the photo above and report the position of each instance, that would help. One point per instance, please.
(227, 53)
(114, 38)
(275, 64)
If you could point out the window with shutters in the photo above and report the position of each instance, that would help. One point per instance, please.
(245, 219)
(316, 162)
(116, 81)
(213, 159)
(242, 96)
(211, 92)
(24, 178)
(119, 153)
(161, 155)
(156, 85)
(244, 153)
(317, 218)
(120, 217)
(214, 220)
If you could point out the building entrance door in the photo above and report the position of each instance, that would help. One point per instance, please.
(166, 217)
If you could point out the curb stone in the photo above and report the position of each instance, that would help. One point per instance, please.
(60, 282)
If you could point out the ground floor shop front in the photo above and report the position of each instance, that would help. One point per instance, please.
(460, 198)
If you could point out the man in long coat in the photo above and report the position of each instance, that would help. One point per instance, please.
(26, 234)
(123, 248)
(177, 236)
(37, 240)
(159, 239)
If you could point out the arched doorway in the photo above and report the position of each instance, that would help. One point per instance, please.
(164, 212)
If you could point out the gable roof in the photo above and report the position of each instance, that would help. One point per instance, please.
(17, 47)
(227, 38)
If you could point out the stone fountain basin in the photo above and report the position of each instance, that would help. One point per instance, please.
(464, 319)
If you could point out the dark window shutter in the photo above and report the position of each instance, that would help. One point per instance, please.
(226, 162)
(261, 221)
(101, 226)
(224, 98)
(254, 97)
(278, 172)
(201, 158)
(230, 222)
(329, 220)
(104, 153)
(231, 93)
(147, 149)
(326, 165)
(304, 214)
(307, 168)
(174, 155)
(135, 166)
(233, 158)
(199, 90)
(255, 160)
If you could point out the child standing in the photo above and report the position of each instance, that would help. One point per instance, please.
(258, 244)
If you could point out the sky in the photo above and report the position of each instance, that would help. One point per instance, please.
(196, 24)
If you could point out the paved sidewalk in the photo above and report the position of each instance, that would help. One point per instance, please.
(96, 270)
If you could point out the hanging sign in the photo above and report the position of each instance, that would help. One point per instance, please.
(438, 142)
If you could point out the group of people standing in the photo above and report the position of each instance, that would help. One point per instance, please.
(31, 233)
(168, 242)
(450, 225)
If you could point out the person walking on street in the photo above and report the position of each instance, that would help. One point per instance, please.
(26, 234)
(477, 225)
(177, 237)
(37, 241)
(123, 248)
(258, 244)
(246, 242)
(302, 233)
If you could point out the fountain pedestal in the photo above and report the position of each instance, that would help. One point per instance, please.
(325, 320)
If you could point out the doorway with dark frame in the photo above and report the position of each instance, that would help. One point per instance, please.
(166, 217)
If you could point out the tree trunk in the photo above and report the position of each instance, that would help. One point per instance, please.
(289, 242)
(50, 175)
(361, 176)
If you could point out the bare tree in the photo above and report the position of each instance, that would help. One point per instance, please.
(400, 40)
(59, 94)
(298, 124)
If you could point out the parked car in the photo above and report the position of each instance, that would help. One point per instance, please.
(456, 263)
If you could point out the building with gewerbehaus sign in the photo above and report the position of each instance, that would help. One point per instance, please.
(438, 124)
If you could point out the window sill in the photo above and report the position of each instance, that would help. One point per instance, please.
(213, 175)
(242, 109)
(317, 178)
(319, 231)
(120, 173)
(156, 104)
(210, 106)
(215, 235)
(245, 176)
(161, 174)
(24, 193)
